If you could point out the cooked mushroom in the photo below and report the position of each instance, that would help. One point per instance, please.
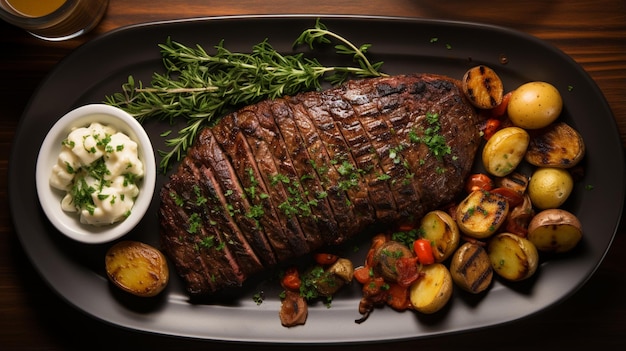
(293, 310)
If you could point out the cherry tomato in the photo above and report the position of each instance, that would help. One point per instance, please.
(478, 181)
(291, 279)
(325, 259)
(512, 197)
(424, 251)
(500, 110)
(491, 127)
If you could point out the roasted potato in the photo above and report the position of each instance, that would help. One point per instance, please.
(483, 87)
(432, 290)
(534, 105)
(558, 145)
(343, 268)
(137, 268)
(550, 187)
(555, 230)
(328, 284)
(512, 257)
(441, 230)
(481, 213)
(505, 150)
(471, 269)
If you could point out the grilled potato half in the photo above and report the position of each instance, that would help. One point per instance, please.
(558, 145)
(483, 87)
(512, 257)
(471, 269)
(441, 230)
(555, 230)
(505, 150)
(481, 213)
(432, 290)
(137, 268)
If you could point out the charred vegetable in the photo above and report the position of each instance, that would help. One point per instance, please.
(481, 213)
(471, 269)
(559, 145)
(483, 87)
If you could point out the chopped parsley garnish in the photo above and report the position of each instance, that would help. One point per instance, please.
(432, 137)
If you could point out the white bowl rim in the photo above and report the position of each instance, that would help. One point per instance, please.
(49, 198)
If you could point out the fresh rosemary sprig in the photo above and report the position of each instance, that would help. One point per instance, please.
(201, 87)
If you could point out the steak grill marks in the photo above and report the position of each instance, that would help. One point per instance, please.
(284, 177)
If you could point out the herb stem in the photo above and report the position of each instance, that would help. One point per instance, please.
(201, 87)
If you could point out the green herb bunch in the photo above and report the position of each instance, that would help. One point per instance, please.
(201, 87)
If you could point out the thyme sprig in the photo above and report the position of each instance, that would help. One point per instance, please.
(201, 87)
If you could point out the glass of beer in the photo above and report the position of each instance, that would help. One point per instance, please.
(54, 20)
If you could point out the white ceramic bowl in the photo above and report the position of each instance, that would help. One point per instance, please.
(50, 198)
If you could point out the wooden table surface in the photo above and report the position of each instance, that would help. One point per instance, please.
(593, 32)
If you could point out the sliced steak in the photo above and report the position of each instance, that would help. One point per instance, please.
(262, 141)
(228, 133)
(346, 191)
(247, 237)
(314, 210)
(196, 231)
(286, 176)
(320, 161)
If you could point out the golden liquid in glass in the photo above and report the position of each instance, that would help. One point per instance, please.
(35, 8)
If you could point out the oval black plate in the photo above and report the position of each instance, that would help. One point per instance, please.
(99, 68)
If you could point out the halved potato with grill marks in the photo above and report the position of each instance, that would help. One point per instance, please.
(504, 151)
(471, 268)
(481, 213)
(441, 230)
(483, 87)
(512, 257)
(558, 145)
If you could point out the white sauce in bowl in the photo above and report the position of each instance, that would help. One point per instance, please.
(99, 169)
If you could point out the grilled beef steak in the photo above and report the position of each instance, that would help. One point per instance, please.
(284, 177)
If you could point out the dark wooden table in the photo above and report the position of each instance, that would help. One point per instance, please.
(593, 32)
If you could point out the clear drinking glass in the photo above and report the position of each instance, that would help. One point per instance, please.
(54, 20)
